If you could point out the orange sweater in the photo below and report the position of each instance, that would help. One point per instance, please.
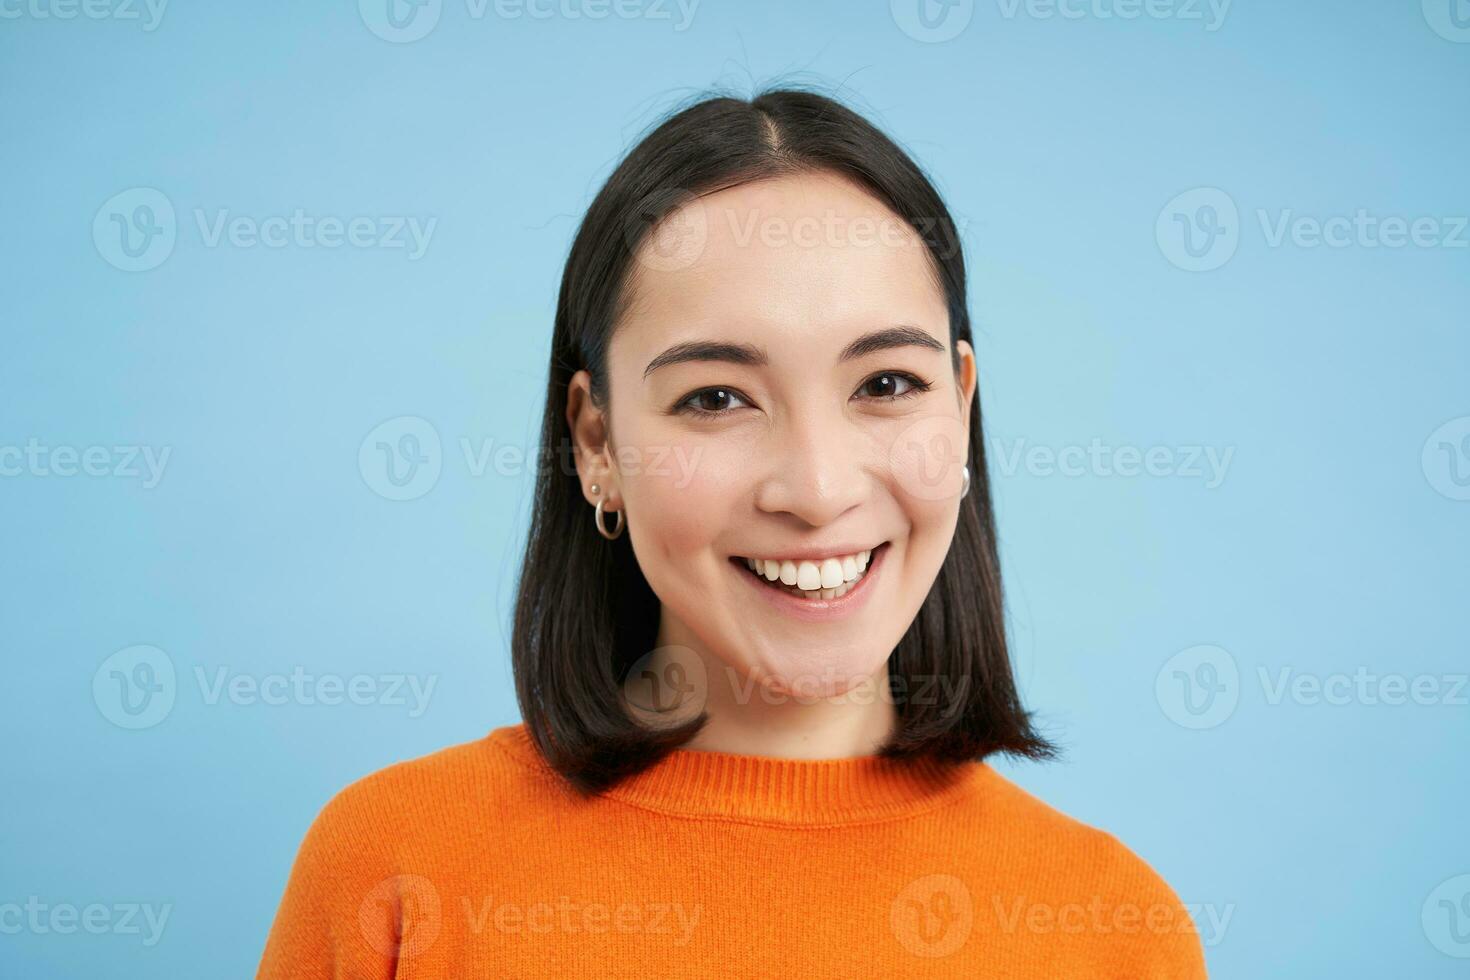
(477, 862)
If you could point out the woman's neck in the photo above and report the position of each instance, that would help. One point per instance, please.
(748, 717)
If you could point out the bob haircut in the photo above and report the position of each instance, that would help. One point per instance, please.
(584, 614)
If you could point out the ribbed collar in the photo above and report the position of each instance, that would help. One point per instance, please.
(762, 789)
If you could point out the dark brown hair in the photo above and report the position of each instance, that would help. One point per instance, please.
(584, 613)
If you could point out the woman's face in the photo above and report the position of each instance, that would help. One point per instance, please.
(782, 391)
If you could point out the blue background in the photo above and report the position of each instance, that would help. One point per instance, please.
(1334, 542)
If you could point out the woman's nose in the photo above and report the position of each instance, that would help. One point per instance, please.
(816, 468)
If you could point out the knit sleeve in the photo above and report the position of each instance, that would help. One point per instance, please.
(344, 914)
(1163, 937)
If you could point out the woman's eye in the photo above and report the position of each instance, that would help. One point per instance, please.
(711, 401)
(892, 384)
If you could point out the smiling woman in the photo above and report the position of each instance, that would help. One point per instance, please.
(759, 688)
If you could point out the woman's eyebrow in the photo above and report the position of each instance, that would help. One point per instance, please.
(749, 354)
(889, 337)
(708, 350)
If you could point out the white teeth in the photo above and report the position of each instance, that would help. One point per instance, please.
(831, 573)
(829, 578)
(808, 576)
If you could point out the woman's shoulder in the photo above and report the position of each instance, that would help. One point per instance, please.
(1050, 876)
(500, 755)
(1059, 853)
(381, 842)
(416, 800)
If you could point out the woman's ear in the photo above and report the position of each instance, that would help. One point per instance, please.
(966, 381)
(588, 426)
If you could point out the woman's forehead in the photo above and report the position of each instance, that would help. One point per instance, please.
(809, 261)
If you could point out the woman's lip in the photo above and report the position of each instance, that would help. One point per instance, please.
(817, 555)
(819, 610)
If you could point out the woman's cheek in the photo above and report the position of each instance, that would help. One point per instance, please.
(926, 461)
(689, 486)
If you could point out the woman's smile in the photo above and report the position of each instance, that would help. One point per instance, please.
(825, 584)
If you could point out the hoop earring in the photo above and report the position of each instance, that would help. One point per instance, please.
(601, 528)
(966, 488)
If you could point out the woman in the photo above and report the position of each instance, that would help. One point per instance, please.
(759, 646)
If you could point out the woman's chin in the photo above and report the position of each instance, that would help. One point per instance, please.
(824, 677)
